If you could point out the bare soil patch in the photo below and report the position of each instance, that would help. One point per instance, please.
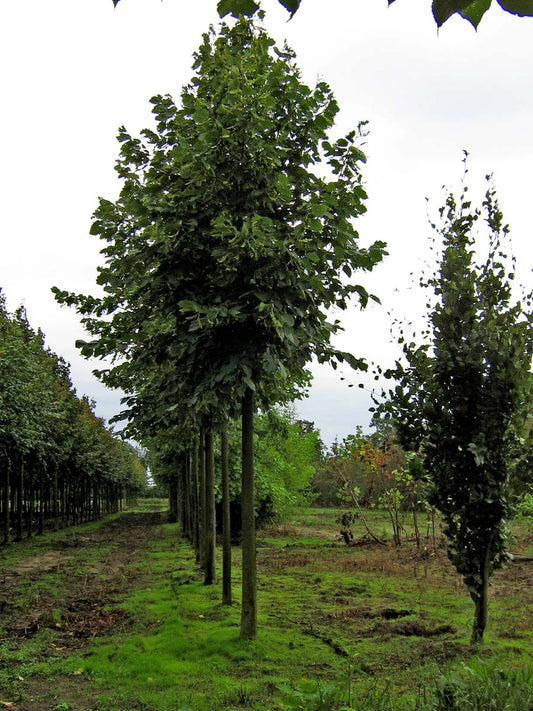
(73, 590)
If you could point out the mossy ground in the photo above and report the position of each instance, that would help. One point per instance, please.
(121, 619)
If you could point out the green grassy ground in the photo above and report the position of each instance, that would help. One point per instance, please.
(338, 625)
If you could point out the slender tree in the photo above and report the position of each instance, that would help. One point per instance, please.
(463, 397)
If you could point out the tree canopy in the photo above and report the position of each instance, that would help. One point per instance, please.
(226, 248)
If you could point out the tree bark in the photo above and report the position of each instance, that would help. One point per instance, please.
(7, 522)
(210, 541)
(40, 520)
(195, 502)
(55, 500)
(201, 498)
(249, 573)
(173, 500)
(480, 598)
(20, 499)
(226, 519)
(180, 498)
(187, 508)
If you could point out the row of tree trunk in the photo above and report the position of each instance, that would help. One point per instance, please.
(32, 500)
(192, 504)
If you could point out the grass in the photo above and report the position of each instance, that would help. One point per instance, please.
(365, 627)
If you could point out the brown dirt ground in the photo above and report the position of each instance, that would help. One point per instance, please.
(81, 606)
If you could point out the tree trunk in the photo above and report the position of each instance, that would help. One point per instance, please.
(195, 502)
(480, 598)
(173, 500)
(20, 495)
(30, 499)
(180, 508)
(7, 522)
(226, 519)
(40, 520)
(201, 497)
(210, 542)
(186, 464)
(249, 573)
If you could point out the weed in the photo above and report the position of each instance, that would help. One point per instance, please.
(524, 504)
(484, 687)
(309, 696)
(314, 696)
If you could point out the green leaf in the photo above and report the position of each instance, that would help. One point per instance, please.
(237, 7)
(353, 362)
(290, 5)
(249, 382)
(523, 8)
(284, 187)
(475, 11)
(444, 9)
(319, 210)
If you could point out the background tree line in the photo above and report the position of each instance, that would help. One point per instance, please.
(59, 463)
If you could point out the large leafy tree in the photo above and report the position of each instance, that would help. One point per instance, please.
(227, 247)
(471, 10)
(463, 396)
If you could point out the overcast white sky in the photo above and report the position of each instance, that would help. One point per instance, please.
(73, 71)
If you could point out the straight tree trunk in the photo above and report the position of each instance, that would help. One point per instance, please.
(201, 498)
(73, 490)
(40, 520)
(249, 572)
(179, 494)
(186, 464)
(195, 502)
(226, 519)
(7, 522)
(210, 541)
(480, 598)
(30, 501)
(20, 498)
(173, 501)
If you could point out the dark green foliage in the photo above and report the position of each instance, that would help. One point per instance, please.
(463, 397)
(58, 461)
(225, 248)
(471, 10)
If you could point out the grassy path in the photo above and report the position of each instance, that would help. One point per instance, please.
(114, 616)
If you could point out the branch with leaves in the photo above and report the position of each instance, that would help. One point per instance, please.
(471, 10)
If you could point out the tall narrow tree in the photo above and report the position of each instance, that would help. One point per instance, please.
(464, 396)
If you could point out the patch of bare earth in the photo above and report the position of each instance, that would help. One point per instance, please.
(78, 601)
